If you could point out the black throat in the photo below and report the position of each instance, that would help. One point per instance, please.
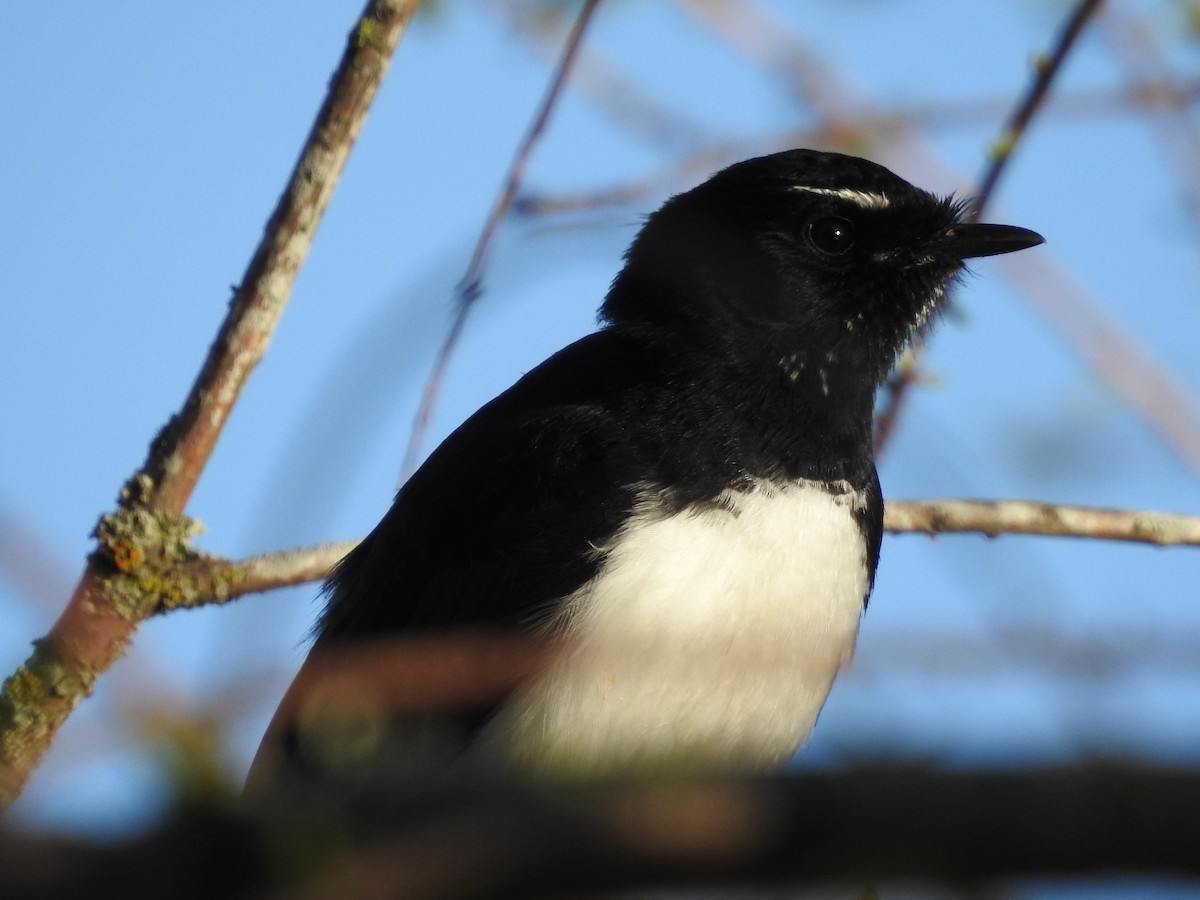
(733, 410)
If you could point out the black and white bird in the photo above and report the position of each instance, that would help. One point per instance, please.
(686, 498)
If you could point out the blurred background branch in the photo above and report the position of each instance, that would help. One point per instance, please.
(869, 827)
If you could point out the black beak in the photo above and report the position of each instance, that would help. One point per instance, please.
(968, 240)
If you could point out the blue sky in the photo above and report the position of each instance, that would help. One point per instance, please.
(146, 145)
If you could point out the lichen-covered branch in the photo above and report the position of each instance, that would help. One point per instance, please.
(179, 454)
(995, 517)
(148, 534)
(215, 580)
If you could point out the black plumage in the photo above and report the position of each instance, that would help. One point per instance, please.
(740, 347)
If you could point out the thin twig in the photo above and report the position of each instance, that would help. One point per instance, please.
(1045, 70)
(898, 386)
(471, 286)
(99, 621)
(995, 517)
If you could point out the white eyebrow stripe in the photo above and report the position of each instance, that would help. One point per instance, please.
(865, 199)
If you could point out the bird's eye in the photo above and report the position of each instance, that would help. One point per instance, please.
(831, 234)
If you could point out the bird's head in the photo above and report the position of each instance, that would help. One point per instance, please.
(803, 253)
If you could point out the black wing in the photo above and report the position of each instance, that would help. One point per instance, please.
(498, 525)
(499, 522)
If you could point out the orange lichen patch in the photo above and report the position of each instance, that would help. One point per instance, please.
(125, 555)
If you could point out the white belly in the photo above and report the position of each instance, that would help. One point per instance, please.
(708, 640)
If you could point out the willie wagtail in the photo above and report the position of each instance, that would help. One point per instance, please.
(685, 500)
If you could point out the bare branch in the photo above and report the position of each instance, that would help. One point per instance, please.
(1035, 97)
(99, 621)
(899, 385)
(471, 286)
(995, 517)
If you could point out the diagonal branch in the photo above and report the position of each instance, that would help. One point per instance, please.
(181, 451)
(898, 386)
(471, 286)
(1046, 69)
(99, 620)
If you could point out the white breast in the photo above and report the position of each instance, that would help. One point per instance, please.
(708, 640)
